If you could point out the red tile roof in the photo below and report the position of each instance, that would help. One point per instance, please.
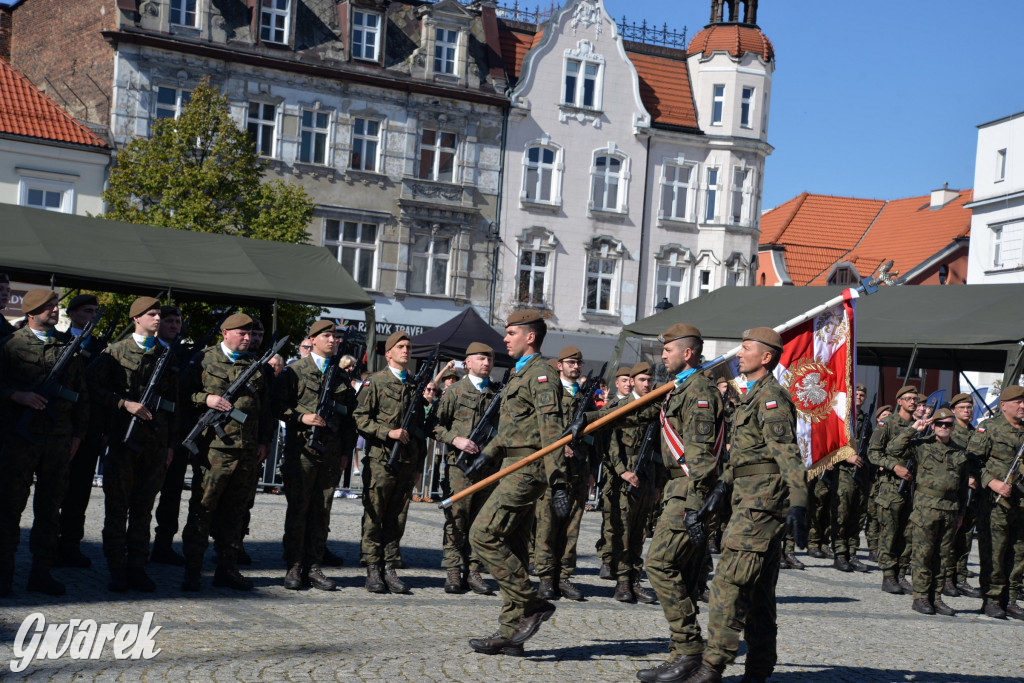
(736, 39)
(665, 89)
(26, 111)
(514, 46)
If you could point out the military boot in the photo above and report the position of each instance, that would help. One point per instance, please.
(942, 608)
(829, 553)
(857, 565)
(528, 624)
(243, 557)
(477, 584)
(680, 669)
(624, 591)
(7, 578)
(793, 563)
(569, 590)
(872, 555)
(118, 579)
(71, 556)
(967, 590)
(316, 578)
(164, 553)
(990, 608)
(546, 588)
(395, 584)
(230, 577)
(922, 606)
(190, 583)
(901, 577)
(453, 581)
(606, 572)
(1014, 610)
(652, 674)
(891, 585)
(816, 552)
(950, 590)
(842, 564)
(642, 594)
(496, 645)
(138, 580)
(705, 674)
(40, 581)
(374, 582)
(293, 579)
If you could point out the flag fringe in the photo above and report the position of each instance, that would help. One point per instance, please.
(838, 455)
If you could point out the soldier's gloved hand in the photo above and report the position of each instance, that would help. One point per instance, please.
(560, 502)
(576, 428)
(714, 499)
(796, 525)
(476, 465)
(695, 528)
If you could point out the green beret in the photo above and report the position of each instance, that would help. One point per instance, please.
(82, 300)
(943, 414)
(170, 310)
(764, 335)
(861, 387)
(237, 321)
(321, 326)
(524, 316)
(143, 304)
(1012, 393)
(679, 331)
(960, 398)
(906, 390)
(481, 349)
(36, 299)
(882, 409)
(623, 371)
(570, 352)
(394, 339)
(641, 368)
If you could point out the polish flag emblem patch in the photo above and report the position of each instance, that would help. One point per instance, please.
(542, 378)
(702, 404)
(771, 405)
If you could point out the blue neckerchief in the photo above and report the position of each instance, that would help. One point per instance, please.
(144, 343)
(575, 387)
(750, 385)
(403, 375)
(521, 363)
(236, 355)
(681, 377)
(484, 382)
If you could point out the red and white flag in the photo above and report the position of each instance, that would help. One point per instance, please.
(817, 366)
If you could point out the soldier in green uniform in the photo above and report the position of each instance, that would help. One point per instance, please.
(994, 446)
(871, 525)
(623, 390)
(133, 472)
(893, 507)
(382, 403)
(554, 553)
(42, 449)
(220, 494)
(461, 407)
(530, 417)
(769, 496)
(692, 441)
(941, 468)
(955, 580)
(311, 468)
(631, 494)
(846, 500)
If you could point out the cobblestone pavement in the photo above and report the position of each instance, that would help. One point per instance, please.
(832, 626)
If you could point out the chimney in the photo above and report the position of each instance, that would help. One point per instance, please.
(943, 196)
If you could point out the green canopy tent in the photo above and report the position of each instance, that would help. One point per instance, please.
(953, 327)
(66, 250)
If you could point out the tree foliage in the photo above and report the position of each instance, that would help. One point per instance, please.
(202, 172)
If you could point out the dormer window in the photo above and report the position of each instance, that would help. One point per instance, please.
(446, 48)
(275, 17)
(365, 35)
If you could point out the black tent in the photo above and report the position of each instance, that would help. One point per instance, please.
(458, 333)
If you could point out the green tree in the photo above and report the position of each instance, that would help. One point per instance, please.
(201, 172)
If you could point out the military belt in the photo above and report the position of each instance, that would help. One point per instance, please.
(518, 453)
(935, 493)
(752, 470)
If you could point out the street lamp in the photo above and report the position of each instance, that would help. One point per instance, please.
(663, 305)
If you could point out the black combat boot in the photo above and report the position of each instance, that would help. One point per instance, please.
(705, 674)
(922, 605)
(293, 579)
(816, 552)
(942, 608)
(792, 562)
(496, 645)
(243, 557)
(230, 577)
(569, 590)
(315, 577)
(679, 669)
(546, 588)
(40, 581)
(395, 584)
(138, 580)
(642, 594)
(891, 585)
(857, 565)
(904, 583)
(164, 553)
(829, 553)
(1014, 610)
(652, 674)
(71, 556)
(477, 584)
(950, 590)
(842, 564)
(118, 579)
(453, 581)
(374, 582)
(624, 591)
(992, 609)
(967, 590)
(606, 572)
(529, 623)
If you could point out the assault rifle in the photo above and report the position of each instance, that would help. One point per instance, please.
(484, 428)
(1013, 478)
(153, 401)
(421, 380)
(52, 387)
(652, 435)
(216, 419)
(587, 391)
(862, 447)
(325, 404)
(909, 464)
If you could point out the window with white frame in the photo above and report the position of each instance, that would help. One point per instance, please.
(365, 35)
(746, 104)
(430, 257)
(703, 282)
(275, 15)
(437, 155)
(717, 104)
(365, 144)
(602, 272)
(1008, 245)
(183, 12)
(582, 81)
(170, 101)
(446, 47)
(533, 276)
(670, 283)
(313, 136)
(711, 196)
(539, 174)
(49, 195)
(739, 193)
(675, 191)
(606, 183)
(261, 123)
(1000, 165)
(355, 246)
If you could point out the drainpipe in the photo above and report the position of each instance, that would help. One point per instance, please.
(497, 219)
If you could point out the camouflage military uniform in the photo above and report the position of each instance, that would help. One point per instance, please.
(310, 475)
(963, 537)
(893, 508)
(609, 485)
(43, 454)
(694, 409)
(461, 406)
(768, 478)
(530, 418)
(994, 446)
(382, 403)
(847, 500)
(939, 474)
(819, 513)
(219, 500)
(132, 474)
